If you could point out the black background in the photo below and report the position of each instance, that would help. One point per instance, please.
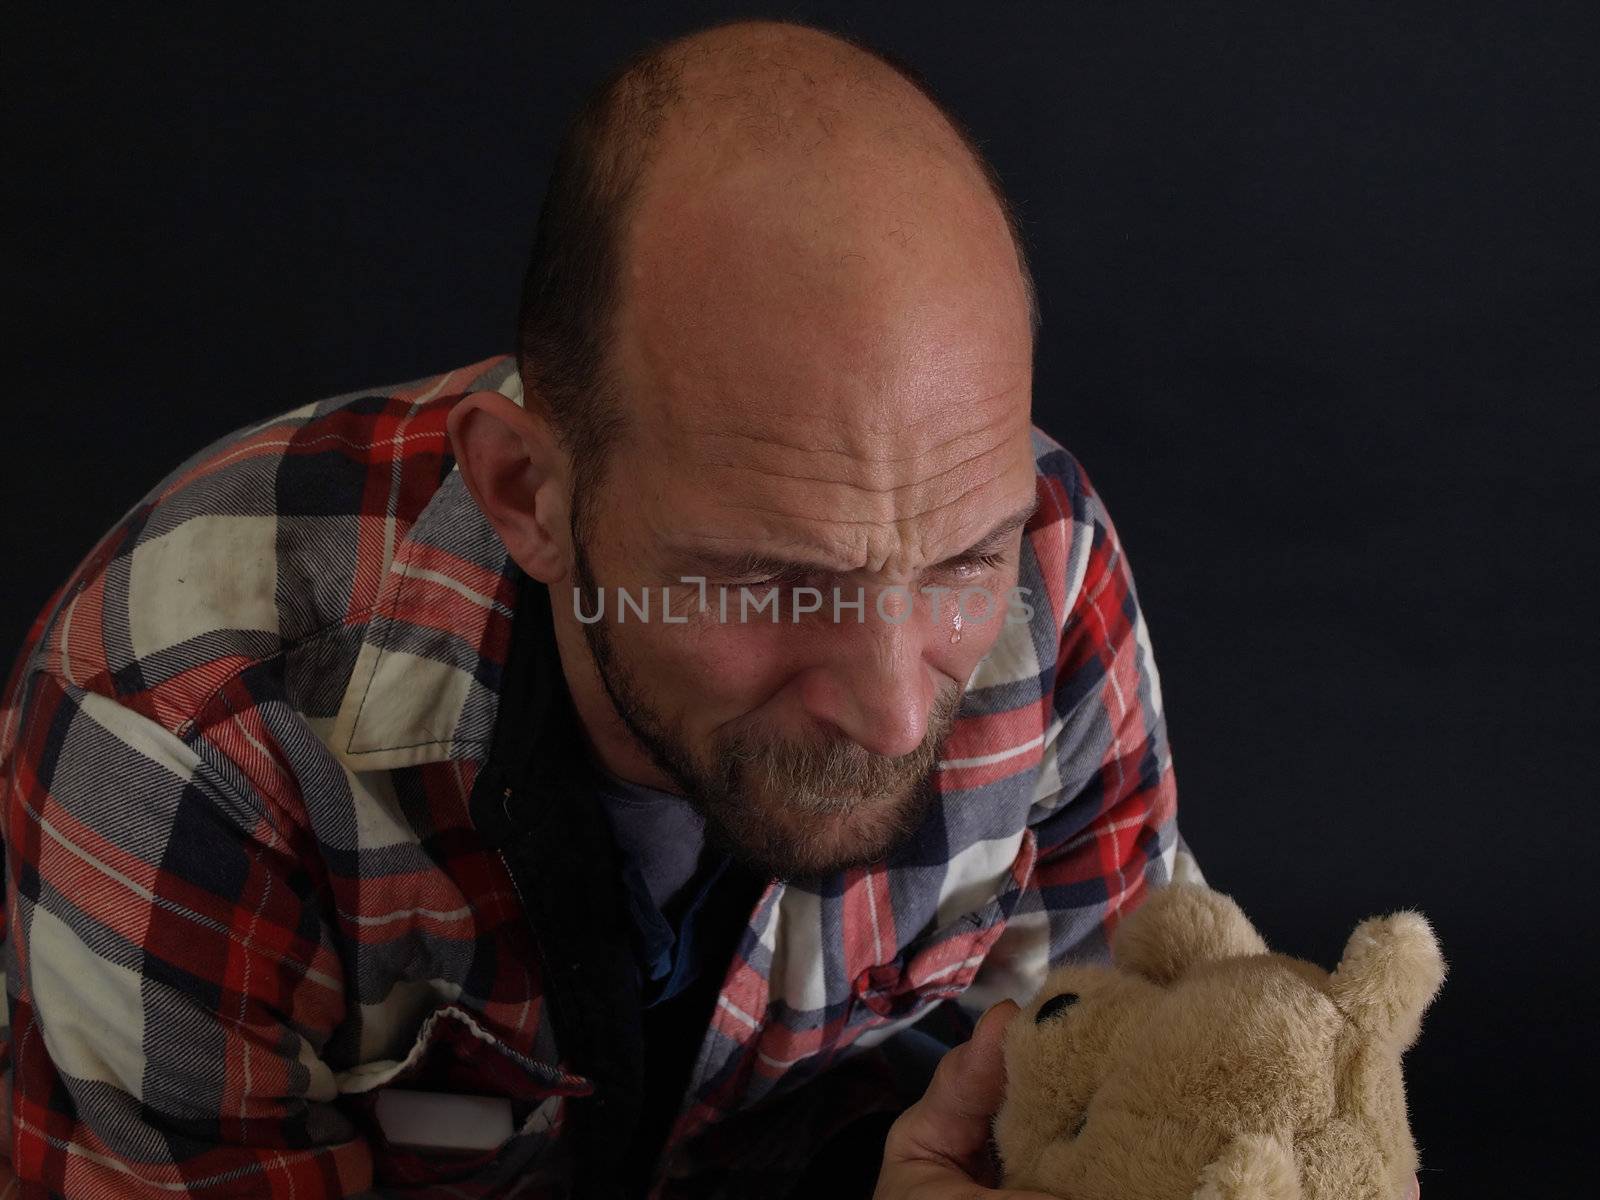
(1321, 290)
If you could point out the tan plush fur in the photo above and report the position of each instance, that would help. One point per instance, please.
(1200, 1066)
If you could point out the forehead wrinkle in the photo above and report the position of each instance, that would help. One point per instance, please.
(848, 502)
(910, 532)
(811, 516)
(856, 521)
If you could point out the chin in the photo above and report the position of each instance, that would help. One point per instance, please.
(803, 843)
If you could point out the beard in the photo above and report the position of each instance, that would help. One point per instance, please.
(786, 808)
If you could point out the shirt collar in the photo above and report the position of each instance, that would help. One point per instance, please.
(426, 682)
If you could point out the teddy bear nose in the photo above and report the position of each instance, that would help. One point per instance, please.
(1055, 1005)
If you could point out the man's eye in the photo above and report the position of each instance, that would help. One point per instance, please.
(980, 564)
(787, 579)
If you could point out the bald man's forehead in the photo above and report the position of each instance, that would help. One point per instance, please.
(864, 465)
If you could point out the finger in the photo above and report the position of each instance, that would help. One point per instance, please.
(975, 1081)
(951, 1121)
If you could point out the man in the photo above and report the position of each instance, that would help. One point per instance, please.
(576, 774)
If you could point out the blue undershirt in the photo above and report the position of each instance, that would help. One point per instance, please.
(668, 873)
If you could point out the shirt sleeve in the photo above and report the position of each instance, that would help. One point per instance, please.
(172, 982)
(1105, 812)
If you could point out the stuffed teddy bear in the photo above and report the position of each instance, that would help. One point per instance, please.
(1199, 1066)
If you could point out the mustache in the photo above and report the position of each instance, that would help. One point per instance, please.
(835, 774)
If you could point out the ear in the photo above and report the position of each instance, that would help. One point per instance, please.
(1254, 1166)
(1180, 925)
(516, 470)
(1390, 973)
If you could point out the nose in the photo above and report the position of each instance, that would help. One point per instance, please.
(875, 687)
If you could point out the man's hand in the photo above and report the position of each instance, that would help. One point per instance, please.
(938, 1149)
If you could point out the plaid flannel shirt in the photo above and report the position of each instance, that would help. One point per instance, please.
(243, 894)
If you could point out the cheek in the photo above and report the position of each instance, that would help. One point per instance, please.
(970, 621)
(710, 673)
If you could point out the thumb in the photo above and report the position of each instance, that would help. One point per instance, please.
(951, 1121)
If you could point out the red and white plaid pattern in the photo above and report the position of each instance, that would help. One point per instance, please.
(243, 893)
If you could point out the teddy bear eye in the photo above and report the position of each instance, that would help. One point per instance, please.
(1055, 1005)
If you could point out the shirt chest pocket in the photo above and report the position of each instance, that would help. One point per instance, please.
(460, 1107)
(941, 964)
(934, 967)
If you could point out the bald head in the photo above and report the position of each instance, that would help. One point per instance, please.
(759, 164)
(751, 92)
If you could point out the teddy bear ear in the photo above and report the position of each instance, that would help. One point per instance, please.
(1178, 926)
(1253, 1166)
(1390, 973)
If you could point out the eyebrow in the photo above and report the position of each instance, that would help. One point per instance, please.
(737, 563)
